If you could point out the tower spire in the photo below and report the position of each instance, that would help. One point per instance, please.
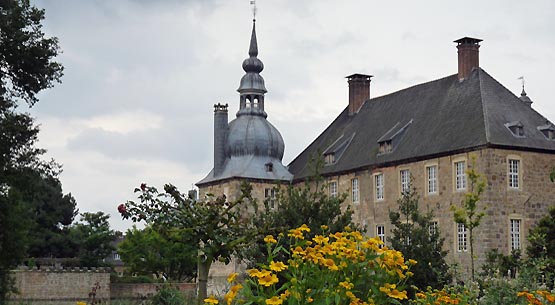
(253, 47)
(252, 88)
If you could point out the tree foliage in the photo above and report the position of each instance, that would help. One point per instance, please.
(469, 214)
(217, 227)
(94, 238)
(415, 235)
(26, 68)
(293, 206)
(148, 252)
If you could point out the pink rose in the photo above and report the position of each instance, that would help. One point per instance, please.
(122, 209)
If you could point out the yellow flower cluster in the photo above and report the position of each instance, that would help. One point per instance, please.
(327, 267)
(538, 297)
(442, 297)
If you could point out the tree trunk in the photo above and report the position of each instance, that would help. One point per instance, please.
(203, 270)
(471, 254)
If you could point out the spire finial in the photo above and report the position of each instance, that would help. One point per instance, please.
(523, 93)
(253, 3)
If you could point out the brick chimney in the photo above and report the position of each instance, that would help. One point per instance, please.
(468, 55)
(359, 91)
(220, 137)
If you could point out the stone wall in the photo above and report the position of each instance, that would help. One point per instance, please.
(57, 285)
(143, 290)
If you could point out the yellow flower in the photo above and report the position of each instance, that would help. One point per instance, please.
(277, 266)
(296, 233)
(81, 303)
(231, 277)
(310, 300)
(396, 294)
(269, 239)
(412, 262)
(228, 298)
(211, 300)
(268, 280)
(347, 285)
(236, 288)
(319, 239)
(304, 227)
(274, 301)
(324, 227)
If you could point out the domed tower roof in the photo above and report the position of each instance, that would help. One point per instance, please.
(253, 146)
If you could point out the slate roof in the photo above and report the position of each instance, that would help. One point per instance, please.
(448, 116)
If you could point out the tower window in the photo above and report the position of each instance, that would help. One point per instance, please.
(269, 167)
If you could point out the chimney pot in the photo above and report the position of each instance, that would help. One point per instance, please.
(359, 91)
(468, 55)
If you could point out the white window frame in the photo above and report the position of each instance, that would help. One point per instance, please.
(270, 194)
(433, 228)
(379, 187)
(404, 180)
(431, 179)
(380, 232)
(333, 189)
(513, 172)
(355, 193)
(459, 173)
(515, 228)
(462, 238)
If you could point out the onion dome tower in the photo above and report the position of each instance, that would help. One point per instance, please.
(249, 147)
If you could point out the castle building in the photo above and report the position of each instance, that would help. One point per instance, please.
(429, 134)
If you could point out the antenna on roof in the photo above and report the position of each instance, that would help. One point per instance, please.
(253, 3)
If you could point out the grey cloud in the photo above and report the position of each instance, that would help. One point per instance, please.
(178, 142)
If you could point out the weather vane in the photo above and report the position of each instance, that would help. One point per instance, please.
(521, 78)
(253, 3)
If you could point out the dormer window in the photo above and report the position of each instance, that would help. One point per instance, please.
(329, 158)
(548, 131)
(336, 149)
(516, 128)
(392, 137)
(385, 147)
(269, 167)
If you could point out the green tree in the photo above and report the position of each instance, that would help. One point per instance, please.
(94, 238)
(541, 248)
(217, 227)
(418, 237)
(468, 214)
(148, 252)
(294, 206)
(26, 68)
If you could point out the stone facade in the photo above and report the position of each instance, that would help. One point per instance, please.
(501, 203)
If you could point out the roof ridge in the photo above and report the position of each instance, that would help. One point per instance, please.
(484, 108)
(413, 86)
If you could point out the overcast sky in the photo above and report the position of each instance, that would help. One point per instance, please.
(141, 77)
